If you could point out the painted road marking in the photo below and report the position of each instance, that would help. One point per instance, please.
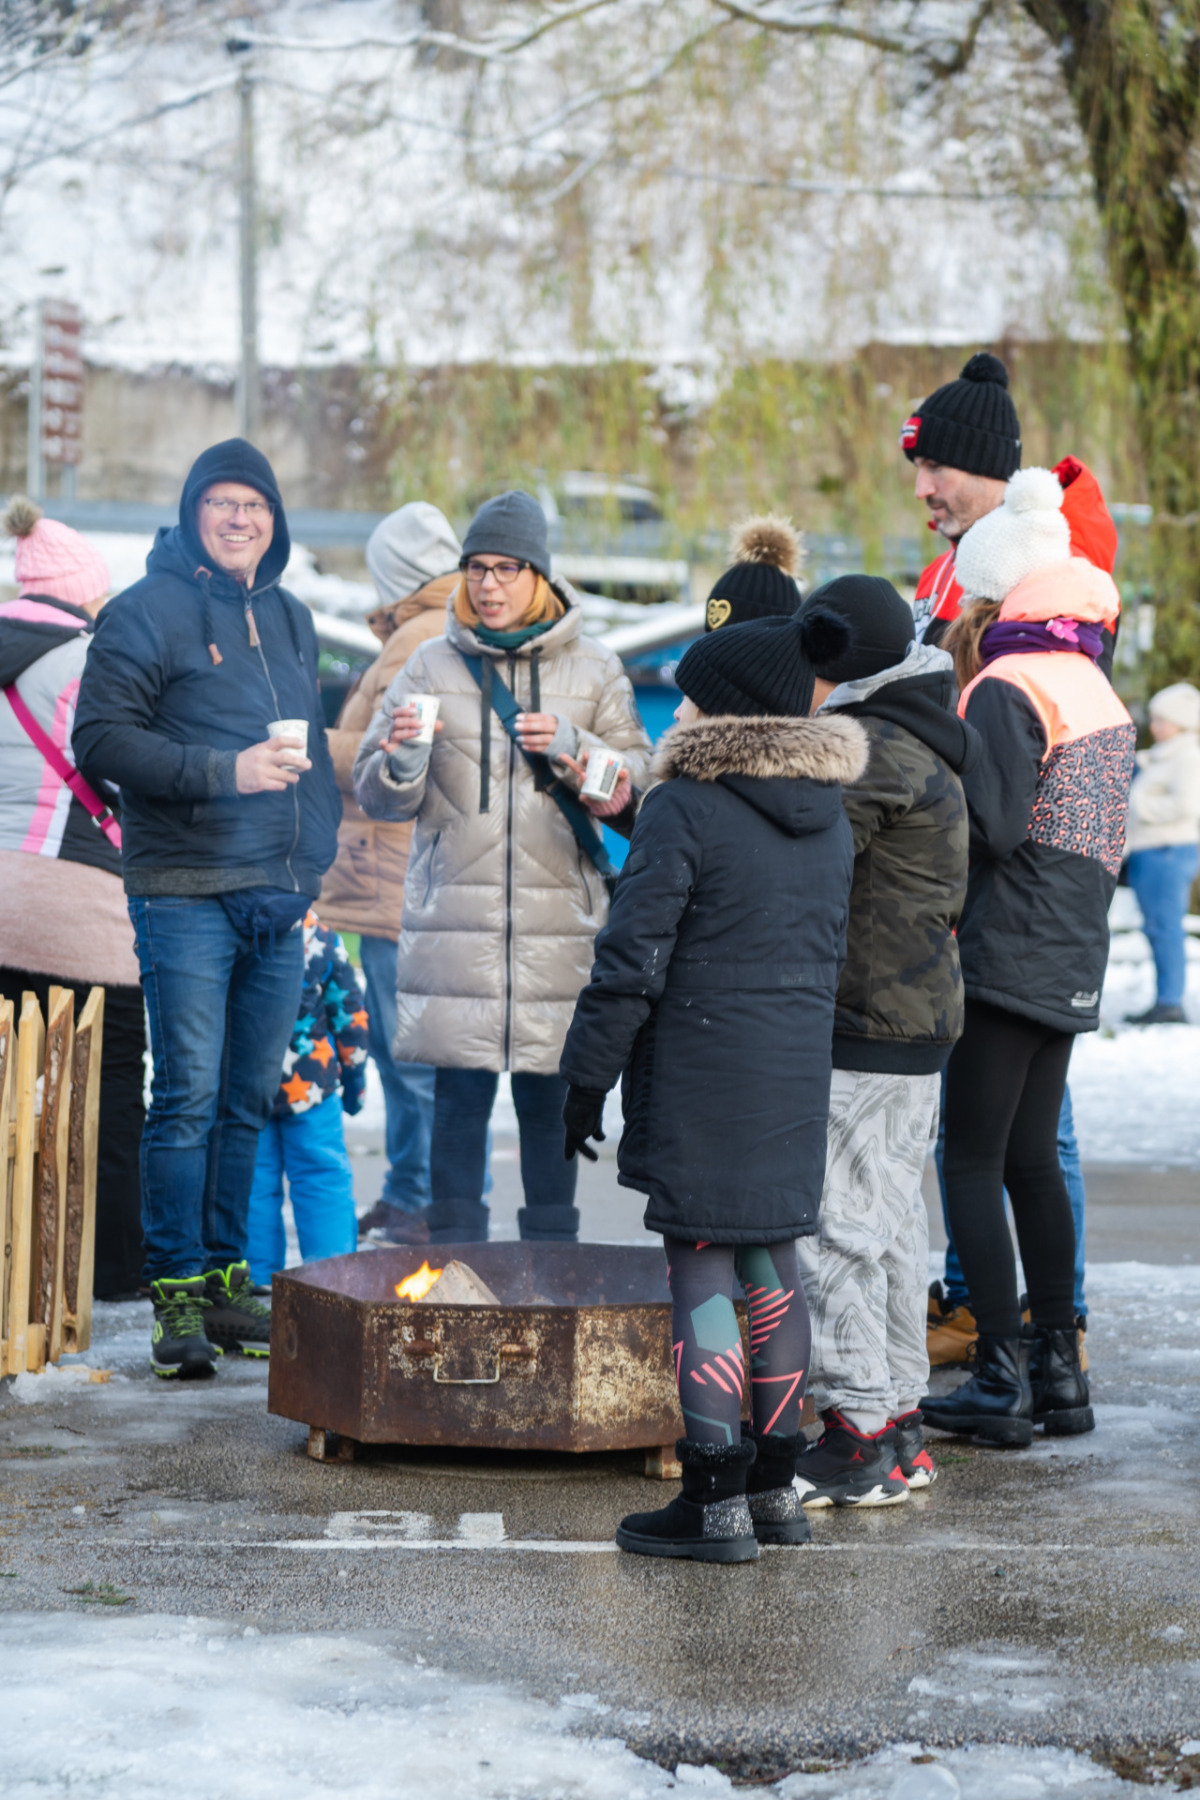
(581, 1547)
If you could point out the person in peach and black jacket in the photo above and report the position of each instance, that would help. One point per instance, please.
(1047, 803)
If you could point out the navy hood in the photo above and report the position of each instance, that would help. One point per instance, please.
(177, 548)
(798, 807)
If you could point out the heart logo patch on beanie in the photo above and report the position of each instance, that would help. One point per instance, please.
(719, 612)
(909, 432)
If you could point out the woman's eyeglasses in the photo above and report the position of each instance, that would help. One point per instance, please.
(504, 572)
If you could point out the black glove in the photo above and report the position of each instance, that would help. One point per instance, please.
(583, 1116)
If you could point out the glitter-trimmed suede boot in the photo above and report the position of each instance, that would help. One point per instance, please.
(775, 1506)
(710, 1520)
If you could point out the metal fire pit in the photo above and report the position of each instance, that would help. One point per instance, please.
(576, 1357)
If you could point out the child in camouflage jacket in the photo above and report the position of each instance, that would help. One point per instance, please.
(324, 1072)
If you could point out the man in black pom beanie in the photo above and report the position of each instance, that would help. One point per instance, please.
(899, 1012)
(965, 441)
(711, 998)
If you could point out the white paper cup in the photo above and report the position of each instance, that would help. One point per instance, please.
(293, 731)
(603, 773)
(427, 711)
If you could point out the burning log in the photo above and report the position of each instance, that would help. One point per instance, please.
(455, 1285)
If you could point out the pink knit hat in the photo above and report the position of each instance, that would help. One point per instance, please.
(52, 559)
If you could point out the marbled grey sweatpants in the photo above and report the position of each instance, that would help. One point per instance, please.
(866, 1270)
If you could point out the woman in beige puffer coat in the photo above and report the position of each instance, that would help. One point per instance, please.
(501, 904)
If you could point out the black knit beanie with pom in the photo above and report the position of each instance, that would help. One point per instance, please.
(761, 584)
(767, 666)
(882, 623)
(968, 424)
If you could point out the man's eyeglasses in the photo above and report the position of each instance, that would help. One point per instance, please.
(257, 509)
(505, 572)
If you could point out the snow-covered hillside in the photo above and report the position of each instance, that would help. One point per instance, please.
(431, 208)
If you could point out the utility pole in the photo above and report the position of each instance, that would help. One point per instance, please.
(35, 462)
(248, 383)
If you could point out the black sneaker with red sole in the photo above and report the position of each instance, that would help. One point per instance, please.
(848, 1468)
(916, 1464)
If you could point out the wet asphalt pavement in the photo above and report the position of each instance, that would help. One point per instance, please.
(1041, 1596)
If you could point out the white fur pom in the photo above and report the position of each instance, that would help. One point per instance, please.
(1034, 490)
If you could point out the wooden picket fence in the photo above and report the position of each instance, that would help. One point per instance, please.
(49, 1136)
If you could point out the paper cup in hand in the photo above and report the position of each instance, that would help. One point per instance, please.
(427, 711)
(293, 731)
(603, 773)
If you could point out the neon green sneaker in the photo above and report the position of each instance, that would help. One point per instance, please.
(179, 1344)
(236, 1319)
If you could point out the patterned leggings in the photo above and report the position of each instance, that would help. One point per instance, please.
(709, 1365)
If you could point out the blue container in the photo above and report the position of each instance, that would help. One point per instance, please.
(657, 706)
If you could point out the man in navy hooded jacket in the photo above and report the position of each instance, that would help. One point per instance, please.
(227, 833)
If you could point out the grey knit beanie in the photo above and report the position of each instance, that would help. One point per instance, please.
(409, 549)
(512, 524)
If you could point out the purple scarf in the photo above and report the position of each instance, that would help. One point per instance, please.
(1017, 637)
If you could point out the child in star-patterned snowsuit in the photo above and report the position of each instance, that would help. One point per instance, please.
(324, 1072)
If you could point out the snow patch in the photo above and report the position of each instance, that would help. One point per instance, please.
(101, 1706)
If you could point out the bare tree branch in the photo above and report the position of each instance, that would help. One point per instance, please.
(484, 49)
(833, 21)
(178, 103)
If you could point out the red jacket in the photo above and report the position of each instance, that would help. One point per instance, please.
(1093, 536)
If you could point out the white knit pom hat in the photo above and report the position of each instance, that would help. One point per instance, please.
(1025, 532)
(1180, 703)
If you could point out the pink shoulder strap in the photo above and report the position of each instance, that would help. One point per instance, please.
(102, 816)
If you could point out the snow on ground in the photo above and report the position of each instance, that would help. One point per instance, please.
(1134, 1088)
(115, 1708)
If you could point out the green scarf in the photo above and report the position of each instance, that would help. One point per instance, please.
(512, 640)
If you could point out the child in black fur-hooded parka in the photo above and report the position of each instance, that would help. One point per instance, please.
(712, 997)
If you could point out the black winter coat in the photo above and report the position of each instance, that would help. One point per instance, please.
(1047, 801)
(162, 720)
(714, 979)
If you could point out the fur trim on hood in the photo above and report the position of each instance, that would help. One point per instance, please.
(764, 747)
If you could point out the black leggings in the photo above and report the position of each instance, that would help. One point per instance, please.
(1004, 1091)
(709, 1366)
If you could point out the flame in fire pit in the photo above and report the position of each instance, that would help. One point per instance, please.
(415, 1287)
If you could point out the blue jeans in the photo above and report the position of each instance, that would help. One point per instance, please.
(462, 1109)
(407, 1087)
(221, 1016)
(1068, 1157)
(1161, 879)
(310, 1149)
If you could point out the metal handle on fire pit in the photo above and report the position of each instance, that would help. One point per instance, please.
(510, 1353)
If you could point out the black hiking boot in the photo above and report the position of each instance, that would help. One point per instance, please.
(775, 1506)
(236, 1320)
(1061, 1400)
(996, 1404)
(916, 1464)
(1158, 1015)
(710, 1521)
(386, 1224)
(178, 1343)
(848, 1468)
